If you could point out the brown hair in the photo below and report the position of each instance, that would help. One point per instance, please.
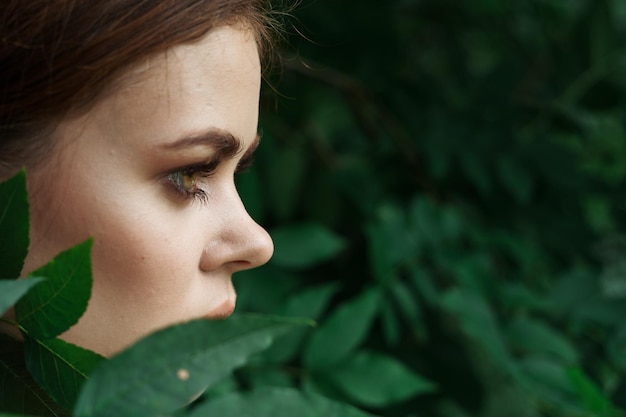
(58, 56)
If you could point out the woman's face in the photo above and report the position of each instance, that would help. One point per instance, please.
(149, 173)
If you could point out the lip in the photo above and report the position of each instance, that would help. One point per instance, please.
(222, 311)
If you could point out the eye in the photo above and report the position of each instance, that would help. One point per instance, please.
(187, 181)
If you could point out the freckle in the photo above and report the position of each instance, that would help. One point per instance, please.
(182, 374)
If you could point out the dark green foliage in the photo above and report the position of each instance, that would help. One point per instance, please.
(19, 393)
(304, 246)
(472, 155)
(13, 226)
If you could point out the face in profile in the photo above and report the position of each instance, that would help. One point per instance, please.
(149, 173)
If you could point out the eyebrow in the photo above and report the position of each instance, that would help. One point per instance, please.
(225, 143)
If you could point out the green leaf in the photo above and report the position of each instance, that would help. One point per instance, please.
(12, 291)
(377, 380)
(390, 242)
(423, 220)
(13, 226)
(518, 296)
(390, 324)
(309, 303)
(56, 304)
(343, 331)
(304, 245)
(19, 393)
(259, 375)
(407, 303)
(162, 372)
(547, 378)
(573, 289)
(424, 284)
(59, 367)
(478, 322)
(536, 337)
(589, 394)
(275, 402)
(225, 386)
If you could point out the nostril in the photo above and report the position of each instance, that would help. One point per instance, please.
(241, 265)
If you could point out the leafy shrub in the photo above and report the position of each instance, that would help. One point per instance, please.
(469, 158)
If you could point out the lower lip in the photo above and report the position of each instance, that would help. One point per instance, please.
(222, 311)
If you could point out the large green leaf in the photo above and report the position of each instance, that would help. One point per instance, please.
(343, 331)
(162, 372)
(18, 391)
(55, 305)
(13, 226)
(12, 291)
(304, 245)
(275, 402)
(377, 380)
(59, 367)
(308, 303)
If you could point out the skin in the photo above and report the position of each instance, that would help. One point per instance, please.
(166, 240)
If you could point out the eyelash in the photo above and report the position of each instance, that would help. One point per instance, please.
(197, 172)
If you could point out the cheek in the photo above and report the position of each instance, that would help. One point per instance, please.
(57, 220)
(142, 246)
(142, 238)
(139, 256)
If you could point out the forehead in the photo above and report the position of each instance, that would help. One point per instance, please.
(224, 53)
(213, 83)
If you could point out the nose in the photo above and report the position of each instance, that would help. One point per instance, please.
(241, 242)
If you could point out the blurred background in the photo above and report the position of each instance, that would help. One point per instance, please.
(444, 181)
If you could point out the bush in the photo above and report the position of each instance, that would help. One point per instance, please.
(466, 161)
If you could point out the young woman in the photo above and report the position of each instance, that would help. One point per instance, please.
(132, 118)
